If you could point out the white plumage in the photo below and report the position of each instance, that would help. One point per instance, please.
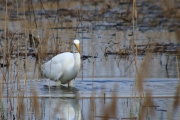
(63, 67)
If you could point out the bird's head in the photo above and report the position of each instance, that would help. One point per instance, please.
(77, 45)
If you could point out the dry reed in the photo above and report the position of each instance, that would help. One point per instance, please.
(41, 50)
(36, 105)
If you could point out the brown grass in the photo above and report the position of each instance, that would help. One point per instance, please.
(21, 107)
(29, 21)
(36, 105)
(143, 73)
(148, 102)
(111, 109)
(177, 94)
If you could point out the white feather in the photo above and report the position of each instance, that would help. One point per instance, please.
(63, 67)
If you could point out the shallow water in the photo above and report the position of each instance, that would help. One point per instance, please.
(93, 89)
(80, 102)
(104, 27)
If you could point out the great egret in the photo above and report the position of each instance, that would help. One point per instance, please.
(63, 67)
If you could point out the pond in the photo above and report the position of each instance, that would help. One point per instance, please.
(83, 101)
(130, 59)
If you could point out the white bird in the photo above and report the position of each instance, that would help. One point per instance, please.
(64, 67)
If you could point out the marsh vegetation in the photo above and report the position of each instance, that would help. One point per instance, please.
(130, 59)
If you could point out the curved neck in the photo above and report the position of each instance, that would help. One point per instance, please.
(77, 61)
(75, 49)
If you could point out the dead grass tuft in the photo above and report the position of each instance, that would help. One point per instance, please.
(111, 109)
(36, 105)
(169, 7)
(143, 73)
(43, 47)
(176, 98)
(20, 106)
(148, 102)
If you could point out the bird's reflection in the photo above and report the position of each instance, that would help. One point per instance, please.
(66, 109)
(61, 108)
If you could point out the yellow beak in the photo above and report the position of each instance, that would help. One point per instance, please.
(77, 47)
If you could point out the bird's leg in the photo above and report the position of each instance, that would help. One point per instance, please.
(70, 84)
(58, 83)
